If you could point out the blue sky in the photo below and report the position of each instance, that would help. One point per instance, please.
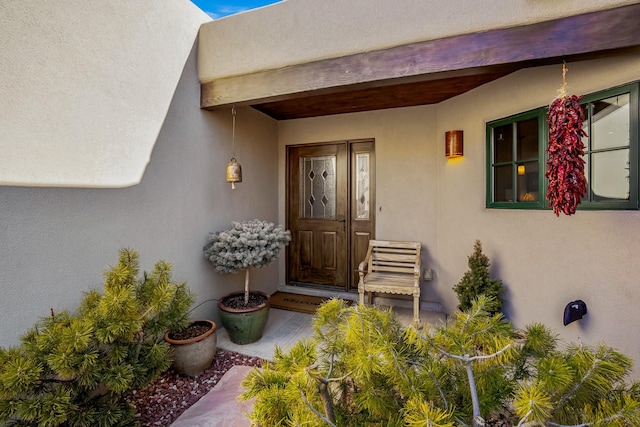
(219, 8)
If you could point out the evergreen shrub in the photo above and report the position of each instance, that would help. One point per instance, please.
(362, 368)
(477, 281)
(76, 368)
(249, 244)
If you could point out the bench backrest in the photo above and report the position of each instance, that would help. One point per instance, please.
(394, 256)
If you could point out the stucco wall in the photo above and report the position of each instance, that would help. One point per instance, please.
(55, 242)
(85, 87)
(544, 261)
(298, 31)
(406, 168)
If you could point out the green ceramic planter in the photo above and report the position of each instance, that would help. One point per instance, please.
(245, 325)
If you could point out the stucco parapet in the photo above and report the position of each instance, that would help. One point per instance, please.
(298, 31)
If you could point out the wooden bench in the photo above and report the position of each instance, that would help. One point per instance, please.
(391, 267)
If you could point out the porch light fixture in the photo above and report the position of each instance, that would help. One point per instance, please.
(234, 171)
(453, 143)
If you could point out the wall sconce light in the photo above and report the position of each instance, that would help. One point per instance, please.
(521, 170)
(453, 143)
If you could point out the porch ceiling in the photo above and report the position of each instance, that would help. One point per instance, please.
(426, 72)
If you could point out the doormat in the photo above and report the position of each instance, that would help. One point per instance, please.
(300, 303)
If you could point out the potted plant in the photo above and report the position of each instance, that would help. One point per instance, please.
(193, 347)
(246, 245)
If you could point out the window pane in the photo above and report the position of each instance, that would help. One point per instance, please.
(527, 182)
(527, 134)
(503, 143)
(503, 187)
(610, 175)
(318, 190)
(610, 123)
(362, 186)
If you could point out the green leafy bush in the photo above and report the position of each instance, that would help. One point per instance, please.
(477, 281)
(361, 368)
(75, 369)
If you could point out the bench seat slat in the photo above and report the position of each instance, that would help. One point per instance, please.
(393, 251)
(396, 258)
(392, 268)
(375, 278)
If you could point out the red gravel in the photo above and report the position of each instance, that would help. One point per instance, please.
(166, 398)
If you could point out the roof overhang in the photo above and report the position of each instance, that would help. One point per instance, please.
(425, 72)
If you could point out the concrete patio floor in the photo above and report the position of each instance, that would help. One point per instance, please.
(220, 407)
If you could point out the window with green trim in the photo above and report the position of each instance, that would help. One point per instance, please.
(516, 161)
(516, 154)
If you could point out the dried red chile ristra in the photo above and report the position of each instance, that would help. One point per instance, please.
(565, 165)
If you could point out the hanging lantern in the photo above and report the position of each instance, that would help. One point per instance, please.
(234, 172)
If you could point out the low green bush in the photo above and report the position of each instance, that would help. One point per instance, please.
(362, 368)
(75, 369)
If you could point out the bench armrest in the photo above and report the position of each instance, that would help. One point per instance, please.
(363, 266)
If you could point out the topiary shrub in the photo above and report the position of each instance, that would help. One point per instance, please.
(246, 245)
(477, 281)
(75, 369)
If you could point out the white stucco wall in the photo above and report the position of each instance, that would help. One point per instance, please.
(56, 242)
(86, 87)
(544, 261)
(406, 168)
(299, 31)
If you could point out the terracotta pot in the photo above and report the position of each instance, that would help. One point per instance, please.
(244, 325)
(192, 356)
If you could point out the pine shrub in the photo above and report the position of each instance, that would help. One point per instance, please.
(75, 369)
(477, 281)
(362, 368)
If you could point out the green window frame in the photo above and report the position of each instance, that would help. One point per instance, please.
(515, 161)
(515, 172)
(611, 153)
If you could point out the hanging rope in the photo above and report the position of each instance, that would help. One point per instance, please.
(563, 90)
(233, 132)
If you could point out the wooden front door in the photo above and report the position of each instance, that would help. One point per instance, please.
(322, 212)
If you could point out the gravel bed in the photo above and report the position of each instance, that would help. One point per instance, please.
(166, 398)
(169, 395)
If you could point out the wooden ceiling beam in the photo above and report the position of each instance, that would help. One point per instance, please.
(378, 98)
(457, 56)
